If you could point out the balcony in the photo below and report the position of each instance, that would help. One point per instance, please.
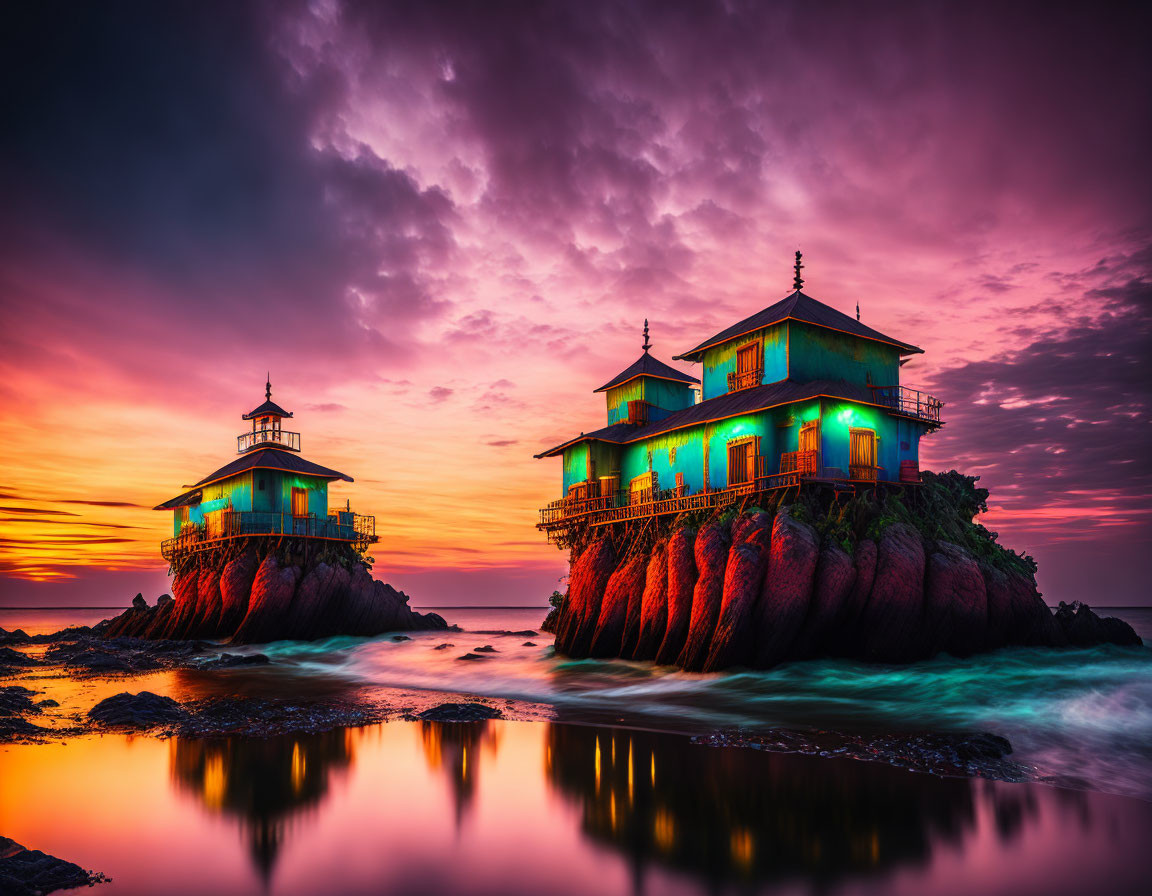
(862, 472)
(745, 379)
(803, 463)
(354, 528)
(267, 438)
(910, 402)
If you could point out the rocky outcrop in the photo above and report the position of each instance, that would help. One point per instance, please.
(760, 590)
(250, 600)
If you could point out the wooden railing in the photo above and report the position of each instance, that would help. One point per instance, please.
(277, 438)
(745, 380)
(912, 402)
(357, 529)
(663, 502)
(803, 463)
(862, 472)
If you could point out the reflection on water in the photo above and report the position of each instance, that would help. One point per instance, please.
(513, 807)
(263, 783)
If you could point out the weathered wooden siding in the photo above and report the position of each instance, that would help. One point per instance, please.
(575, 465)
(662, 394)
(817, 353)
(721, 361)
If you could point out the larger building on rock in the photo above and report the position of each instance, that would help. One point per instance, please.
(268, 490)
(798, 391)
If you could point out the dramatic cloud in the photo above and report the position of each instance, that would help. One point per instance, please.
(440, 226)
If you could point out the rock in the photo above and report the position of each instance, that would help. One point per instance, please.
(1083, 628)
(831, 595)
(443, 646)
(552, 620)
(233, 660)
(471, 656)
(999, 601)
(631, 635)
(430, 622)
(30, 872)
(586, 583)
(487, 648)
(205, 622)
(653, 605)
(460, 712)
(743, 527)
(624, 589)
(955, 603)
(788, 583)
(139, 603)
(163, 600)
(711, 554)
(14, 658)
(400, 638)
(733, 643)
(681, 585)
(1032, 623)
(46, 704)
(528, 644)
(19, 636)
(184, 593)
(143, 710)
(272, 592)
(891, 626)
(235, 590)
(160, 619)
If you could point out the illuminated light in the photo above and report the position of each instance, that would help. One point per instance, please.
(663, 829)
(464, 764)
(875, 847)
(613, 751)
(846, 416)
(597, 764)
(653, 769)
(612, 810)
(299, 767)
(740, 844)
(630, 785)
(215, 781)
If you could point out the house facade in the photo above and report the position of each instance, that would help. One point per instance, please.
(269, 490)
(796, 392)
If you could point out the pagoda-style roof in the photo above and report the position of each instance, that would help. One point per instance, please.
(805, 309)
(646, 365)
(263, 459)
(268, 409)
(733, 404)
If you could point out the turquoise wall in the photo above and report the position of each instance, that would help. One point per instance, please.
(817, 353)
(575, 465)
(242, 493)
(666, 395)
(721, 360)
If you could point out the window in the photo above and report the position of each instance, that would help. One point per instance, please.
(742, 460)
(260, 484)
(809, 439)
(672, 455)
(641, 489)
(749, 367)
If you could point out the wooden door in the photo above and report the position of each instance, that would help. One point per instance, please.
(861, 454)
(299, 502)
(741, 461)
(808, 448)
(749, 368)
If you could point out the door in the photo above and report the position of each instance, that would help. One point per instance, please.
(861, 454)
(640, 489)
(808, 448)
(300, 511)
(741, 461)
(749, 370)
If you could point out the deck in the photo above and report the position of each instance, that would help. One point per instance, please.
(355, 529)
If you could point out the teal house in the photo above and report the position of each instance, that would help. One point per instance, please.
(797, 392)
(269, 490)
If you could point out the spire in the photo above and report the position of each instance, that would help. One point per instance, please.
(799, 281)
(647, 345)
(857, 309)
(268, 387)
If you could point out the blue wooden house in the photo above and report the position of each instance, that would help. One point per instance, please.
(269, 490)
(797, 392)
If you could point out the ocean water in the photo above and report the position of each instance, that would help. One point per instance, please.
(606, 793)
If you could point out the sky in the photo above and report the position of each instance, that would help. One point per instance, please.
(441, 226)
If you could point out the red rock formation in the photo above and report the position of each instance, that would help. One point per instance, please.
(235, 589)
(586, 583)
(681, 584)
(835, 578)
(1033, 624)
(161, 616)
(310, 614)
(635, 602)
(733, 643)
(206, 619)
(184, 592)
(891, 628)
(783, 606)
(624, 586)
(955, 603)
(272, 592)
(653, 605)
(711, 553)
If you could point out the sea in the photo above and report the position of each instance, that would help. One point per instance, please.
(601, 779)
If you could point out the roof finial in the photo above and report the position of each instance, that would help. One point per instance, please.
(268, 387)
(799, 281)
(857, 310)
(647, 345)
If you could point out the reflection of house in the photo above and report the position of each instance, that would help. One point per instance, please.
(270, 490)
(455, 748)
(731, 814)
(262, 782)
(798, 391)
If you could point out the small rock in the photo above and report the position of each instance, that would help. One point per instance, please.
(487, 648)
(231, 660)
(401, 638)
(528, 644)
(10, 657)
(29, 871)
(47, 704)
(443, 646)
(138, 602)
(471, 656)
(143, 710)
(460, 712)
